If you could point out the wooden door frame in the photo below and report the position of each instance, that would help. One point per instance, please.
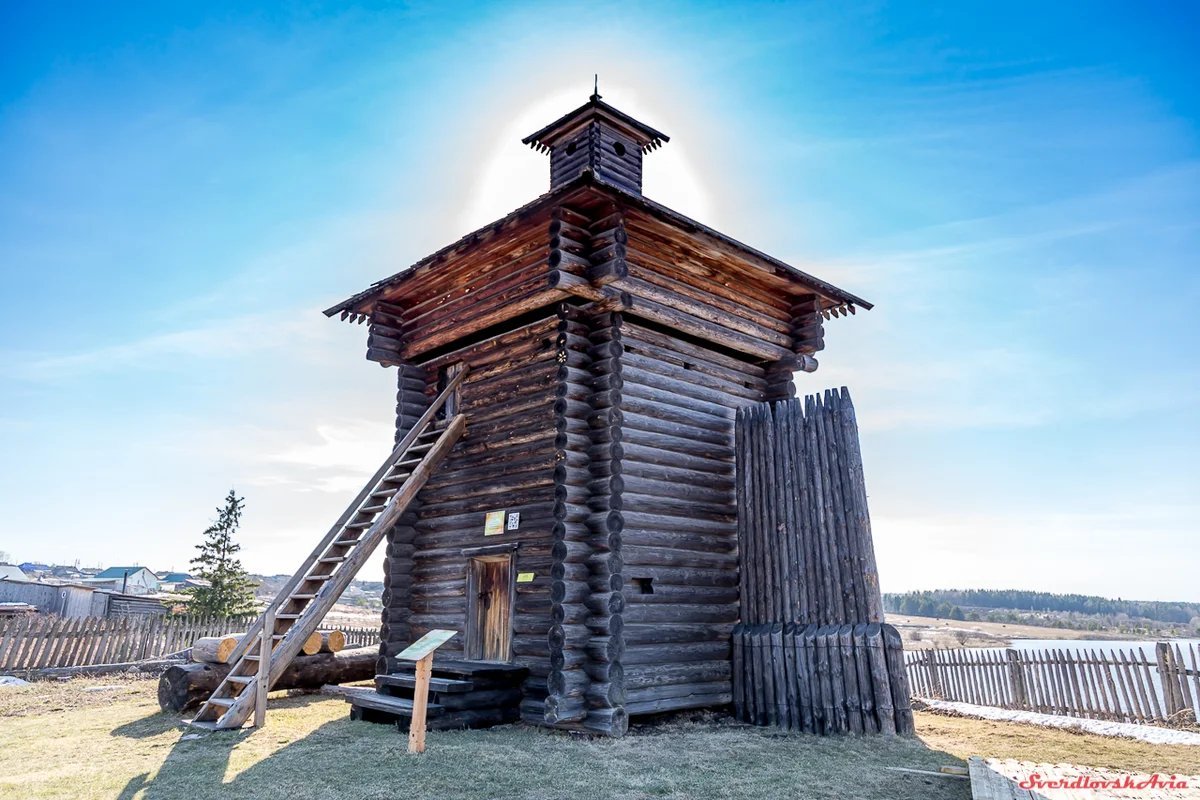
(497, 552)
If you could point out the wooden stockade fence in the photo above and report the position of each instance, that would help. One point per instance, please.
(41, 642)
(1122, 685)
(821, 679)
(803, 527)
(811, 653)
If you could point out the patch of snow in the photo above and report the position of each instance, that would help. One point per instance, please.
(9, 680)
(1127, 730)
(108, 688)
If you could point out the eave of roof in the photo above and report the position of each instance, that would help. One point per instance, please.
(544, 138)
(824, 288)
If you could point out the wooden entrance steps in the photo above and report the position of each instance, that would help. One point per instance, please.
(306, 598)
(440, 685)
(388, 705)
(468, 694)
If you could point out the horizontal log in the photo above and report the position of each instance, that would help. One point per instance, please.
(186, 686)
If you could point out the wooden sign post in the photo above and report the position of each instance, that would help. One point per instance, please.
(421, 651)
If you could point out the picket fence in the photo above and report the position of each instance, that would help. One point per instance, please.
(43, 641)
(46, 641)
(1123, 685)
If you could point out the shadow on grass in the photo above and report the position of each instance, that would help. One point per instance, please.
(147, 727)
(701, 755)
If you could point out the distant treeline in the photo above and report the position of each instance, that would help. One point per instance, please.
(945, 602)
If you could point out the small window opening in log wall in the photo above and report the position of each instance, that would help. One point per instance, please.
(644, 585)
(620, 149)
(571, 149)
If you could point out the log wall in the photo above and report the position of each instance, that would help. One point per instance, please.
(679, 541)
(505, 461)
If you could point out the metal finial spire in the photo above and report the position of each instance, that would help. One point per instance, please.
(596, 87)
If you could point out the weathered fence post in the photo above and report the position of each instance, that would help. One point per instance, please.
(1172, 699)
(1016, 677)
(935, 677)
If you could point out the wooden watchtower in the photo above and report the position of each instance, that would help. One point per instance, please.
(598, 345)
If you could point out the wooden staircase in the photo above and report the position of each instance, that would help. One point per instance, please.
(308, 595)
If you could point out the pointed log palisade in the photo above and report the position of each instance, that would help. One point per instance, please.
(583, 538)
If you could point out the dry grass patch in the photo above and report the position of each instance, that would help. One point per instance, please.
(64, 741)
(964, 736)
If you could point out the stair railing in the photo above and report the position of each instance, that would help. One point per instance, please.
(255, 629)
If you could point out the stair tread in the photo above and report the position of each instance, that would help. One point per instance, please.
(462, 667)
(224, 702)
(446, 685)
(369, 698)
(203, 724)
(242, 679)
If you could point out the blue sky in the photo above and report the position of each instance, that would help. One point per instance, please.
(1016, 186)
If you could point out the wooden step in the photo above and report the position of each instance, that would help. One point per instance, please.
(302, 597)
(397, 478)
(331, 560)
(446, 685)
(240, 679)
(372, 510)
(400, 706)
(203, 724)
(223, 702)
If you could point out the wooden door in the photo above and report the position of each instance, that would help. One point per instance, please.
(489, 608)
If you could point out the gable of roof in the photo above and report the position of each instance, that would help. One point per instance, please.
(356, 306)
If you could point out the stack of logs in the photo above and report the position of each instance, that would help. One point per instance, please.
(217, 649)
(811, 653)
(321, 661)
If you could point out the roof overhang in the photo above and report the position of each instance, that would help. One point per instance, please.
(355, 306)
(565, 126)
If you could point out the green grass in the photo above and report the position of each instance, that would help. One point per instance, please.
(60, 741)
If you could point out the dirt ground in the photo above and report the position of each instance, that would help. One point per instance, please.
(105, 738)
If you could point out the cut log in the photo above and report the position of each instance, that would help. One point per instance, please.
(214, 649)
(332, 641)
(187, 685)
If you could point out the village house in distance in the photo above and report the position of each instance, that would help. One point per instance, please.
(603, 480)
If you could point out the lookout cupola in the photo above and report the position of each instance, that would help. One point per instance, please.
(598, 139)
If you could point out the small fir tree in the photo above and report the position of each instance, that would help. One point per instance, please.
(230, 592)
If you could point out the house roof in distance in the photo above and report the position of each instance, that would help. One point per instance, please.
(120, 572)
